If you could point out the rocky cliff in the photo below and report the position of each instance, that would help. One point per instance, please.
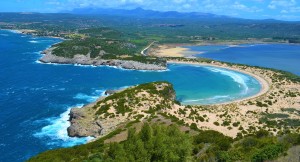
(86, 60)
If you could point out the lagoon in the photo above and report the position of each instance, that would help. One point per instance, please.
(279, 56)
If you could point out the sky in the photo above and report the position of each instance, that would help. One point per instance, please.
(254, 9)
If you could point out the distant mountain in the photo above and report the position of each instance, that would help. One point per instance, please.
(140, 12)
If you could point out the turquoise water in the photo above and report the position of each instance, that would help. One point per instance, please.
(279, 56)
(35, 98)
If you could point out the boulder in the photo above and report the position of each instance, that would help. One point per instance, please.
(110, 92)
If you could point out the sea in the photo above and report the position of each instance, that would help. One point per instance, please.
(35, 98)
(278, 56)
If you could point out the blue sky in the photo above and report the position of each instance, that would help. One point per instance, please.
(254, 9)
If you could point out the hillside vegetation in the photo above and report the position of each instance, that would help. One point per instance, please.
(136, 125)
(168, 143)
(165, 29)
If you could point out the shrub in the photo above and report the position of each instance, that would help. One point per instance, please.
(216, 123)
(261, 133)
(194, 126)
(269, 152)
(236, 124)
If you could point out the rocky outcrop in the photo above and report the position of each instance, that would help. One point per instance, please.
(82, 126)
(85, 60)
(107, 113)
(110, 92)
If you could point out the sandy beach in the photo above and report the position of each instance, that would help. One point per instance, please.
(264, 84)
(246, 111)
(172, 51)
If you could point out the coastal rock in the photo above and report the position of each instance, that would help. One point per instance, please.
(82, 126)
(75, 113)
(110, 92)
(85, 60)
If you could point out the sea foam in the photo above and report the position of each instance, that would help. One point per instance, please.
(90, 98)
(56, 132)
(33, 41)
(237, 77)
(12, 31)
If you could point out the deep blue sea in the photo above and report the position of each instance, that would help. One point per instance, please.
(279, 56)
(35, 98)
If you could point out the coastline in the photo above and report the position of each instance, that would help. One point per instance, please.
(180, 50)
(241, 110)
(278, 93)
(248, 112)
(265, 85)
(48, 57)
(31, 32)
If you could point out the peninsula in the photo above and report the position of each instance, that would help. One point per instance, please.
(127, 62)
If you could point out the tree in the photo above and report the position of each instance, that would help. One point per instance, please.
(146, 133)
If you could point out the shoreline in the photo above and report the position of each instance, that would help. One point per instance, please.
(31, 33)
(182, 50)
(265, 85)
(94, 66)
(277, 94)
(48, 58)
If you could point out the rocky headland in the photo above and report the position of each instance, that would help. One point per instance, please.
(49, 57)
(132, 104)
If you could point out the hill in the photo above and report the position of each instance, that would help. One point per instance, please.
(135, 125)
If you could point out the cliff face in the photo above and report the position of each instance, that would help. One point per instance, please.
(85, 60)
(135, 103)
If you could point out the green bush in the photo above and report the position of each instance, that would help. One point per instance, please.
(236, 124)
(194, 126)
(269, 152)
(223, 142)
(216, 123)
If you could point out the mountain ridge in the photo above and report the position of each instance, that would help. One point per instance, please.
(143, 13)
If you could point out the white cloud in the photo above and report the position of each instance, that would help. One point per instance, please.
(274, 4)
(53, 2)
(271, 6)
(285, 7)
(295, 9)
(187, 6)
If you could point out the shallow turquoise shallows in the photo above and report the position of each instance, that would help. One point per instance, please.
(35, 98)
